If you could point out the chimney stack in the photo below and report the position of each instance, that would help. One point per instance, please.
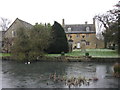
(63, 22)
(94, 24)
(86, 22)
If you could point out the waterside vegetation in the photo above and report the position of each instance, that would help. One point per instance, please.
(100, 55)
(116, 68)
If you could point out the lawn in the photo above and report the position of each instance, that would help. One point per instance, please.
(92, 52)
(4, 54)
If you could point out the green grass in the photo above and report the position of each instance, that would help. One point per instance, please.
(92, 52)
(4, 54)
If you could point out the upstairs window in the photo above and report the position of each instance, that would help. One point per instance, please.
(13, 33)
(69, 29)
(83, 36)
(87, 43)
(69, 35)
(87, 29)
(77, 35)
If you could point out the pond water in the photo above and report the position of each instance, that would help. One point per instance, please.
(36, 75)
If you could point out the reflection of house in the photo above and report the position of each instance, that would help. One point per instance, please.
(83, 33)
(11, 32)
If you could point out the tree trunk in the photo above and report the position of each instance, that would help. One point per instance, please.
(105, 42)
(119, 34)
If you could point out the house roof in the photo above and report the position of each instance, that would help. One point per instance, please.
(80, 28)
(80, 32)
(26, 24)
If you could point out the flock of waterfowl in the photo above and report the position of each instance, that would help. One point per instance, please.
(72, 81)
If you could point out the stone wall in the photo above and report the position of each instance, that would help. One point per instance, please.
(12, 29)
(91, 41)
(0, 41)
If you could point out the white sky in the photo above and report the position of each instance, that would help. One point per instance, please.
(73, 11)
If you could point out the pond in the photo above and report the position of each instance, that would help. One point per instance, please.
(37, 74)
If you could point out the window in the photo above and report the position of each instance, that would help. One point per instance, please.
(69, 35)
(87, 43)
(77, 35)
(69, 29)
(78, 45)
(83, 36)
(87, 29)
(13, 33)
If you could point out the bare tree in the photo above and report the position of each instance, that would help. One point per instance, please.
(118, 12)
(99, 28)
(4, 23)
(106, 20)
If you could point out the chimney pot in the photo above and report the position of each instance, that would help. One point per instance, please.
(86, 22)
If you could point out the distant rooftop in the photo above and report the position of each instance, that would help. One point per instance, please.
(80, 28)
(26, 24)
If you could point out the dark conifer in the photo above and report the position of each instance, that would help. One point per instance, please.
(59, 39)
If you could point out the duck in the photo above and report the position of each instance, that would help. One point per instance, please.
(29, 62)
(88, 83)
(95, 79)
(51, 76)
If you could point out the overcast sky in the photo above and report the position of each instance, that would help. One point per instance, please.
(41, 11)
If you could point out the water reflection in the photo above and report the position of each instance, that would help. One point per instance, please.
(36, 75)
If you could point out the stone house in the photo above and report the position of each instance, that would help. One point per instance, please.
(78, 33)
(11, 32)
(1, 40)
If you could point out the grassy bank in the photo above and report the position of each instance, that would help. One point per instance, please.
(92, 52)
(4, 54)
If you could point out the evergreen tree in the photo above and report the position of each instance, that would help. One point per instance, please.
(59, 41)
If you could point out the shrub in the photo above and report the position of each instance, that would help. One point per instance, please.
(116, 68)
(62, 54)
(86, 54)
(30, 43)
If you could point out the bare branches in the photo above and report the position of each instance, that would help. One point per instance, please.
(4, 23)
(107, 22)
(108, 18)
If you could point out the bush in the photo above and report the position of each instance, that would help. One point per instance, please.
(62, 54)
(116, 68)
(86, 54)
(31, 43)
